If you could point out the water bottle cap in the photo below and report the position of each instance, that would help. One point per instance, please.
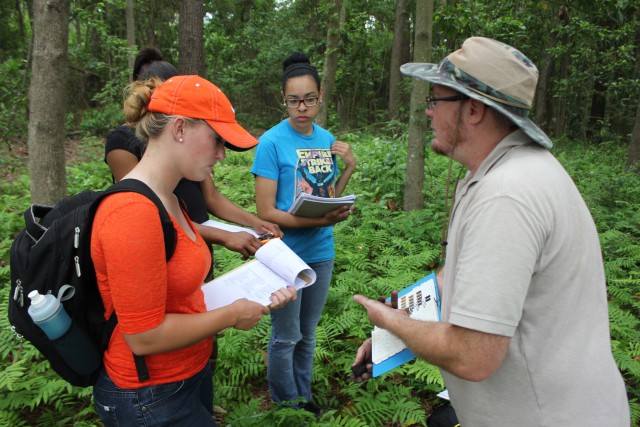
(37, 299)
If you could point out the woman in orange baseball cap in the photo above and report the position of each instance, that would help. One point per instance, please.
(162, 316)
(200, 199)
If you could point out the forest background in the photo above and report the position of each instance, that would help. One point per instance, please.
(64, 64)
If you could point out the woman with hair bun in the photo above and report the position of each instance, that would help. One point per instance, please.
(298, 156)
(123, 151)
(186, 122)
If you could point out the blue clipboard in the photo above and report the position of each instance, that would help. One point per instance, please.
(406, 355)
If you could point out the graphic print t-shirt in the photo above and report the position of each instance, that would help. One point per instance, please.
(300, 163)
(315, 173)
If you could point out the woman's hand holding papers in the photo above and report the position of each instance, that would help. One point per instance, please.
(249, 313)
(283, 296)
(337, 215)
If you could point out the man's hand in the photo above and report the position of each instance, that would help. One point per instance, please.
(394, 300)
(379, 313)
(362, 368)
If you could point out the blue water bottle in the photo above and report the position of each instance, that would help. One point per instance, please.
(70, 341)
(48, 313)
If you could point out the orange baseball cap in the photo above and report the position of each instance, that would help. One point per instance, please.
(198, 98)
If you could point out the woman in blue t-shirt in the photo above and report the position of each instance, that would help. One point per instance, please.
(298, 156)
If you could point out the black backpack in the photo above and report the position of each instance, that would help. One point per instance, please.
(49, 254)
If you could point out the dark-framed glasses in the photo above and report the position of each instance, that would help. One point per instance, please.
(432, 100)
(311, 101)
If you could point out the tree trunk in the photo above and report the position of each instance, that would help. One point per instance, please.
(20, 20)
(27, 75)
(543, 103)
(596, 114)
(634, 145)
(191, 37)
(131, 34)
(633, 158)
(561, 116)
(399, 41)
(334, 27)
(414, 176)
(48, 100)
(77, 22)
(151, 34)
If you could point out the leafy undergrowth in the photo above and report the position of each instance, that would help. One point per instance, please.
(379, 249)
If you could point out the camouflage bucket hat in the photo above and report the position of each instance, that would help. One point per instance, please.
(493, 73)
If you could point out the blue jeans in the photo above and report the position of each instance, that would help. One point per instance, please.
(293, 339)
(181, 403)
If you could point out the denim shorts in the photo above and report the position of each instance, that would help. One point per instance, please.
(181, 403)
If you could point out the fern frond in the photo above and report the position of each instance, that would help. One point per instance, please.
(425, 372)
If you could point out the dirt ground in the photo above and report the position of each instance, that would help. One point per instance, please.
(14, 155)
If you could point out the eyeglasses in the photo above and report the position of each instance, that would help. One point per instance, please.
(312, 101)
(431, 100)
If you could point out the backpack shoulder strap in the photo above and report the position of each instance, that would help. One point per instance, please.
(136, 186)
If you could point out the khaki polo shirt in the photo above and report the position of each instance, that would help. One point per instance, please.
(523, 261)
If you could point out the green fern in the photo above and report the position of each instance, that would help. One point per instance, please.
(393, 403)
(12, 418)
(425, 373)
(377, 250)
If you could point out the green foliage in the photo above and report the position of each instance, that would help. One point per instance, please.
(14, 26)
(30, 392)
(380, 247)
(246, 42)
(365, 51)
(377, 250)
(94, 175)
(99, 122)
(381, 176)
(13, 99)
(394, 404)
(608, 190)
(14, 205)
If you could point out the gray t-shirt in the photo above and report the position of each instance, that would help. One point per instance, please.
(523, 261)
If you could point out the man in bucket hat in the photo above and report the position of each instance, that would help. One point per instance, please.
(524, 338)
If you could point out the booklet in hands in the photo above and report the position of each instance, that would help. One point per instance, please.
(232, 228)
(422, 301)
(275, 266)
(314, 206)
